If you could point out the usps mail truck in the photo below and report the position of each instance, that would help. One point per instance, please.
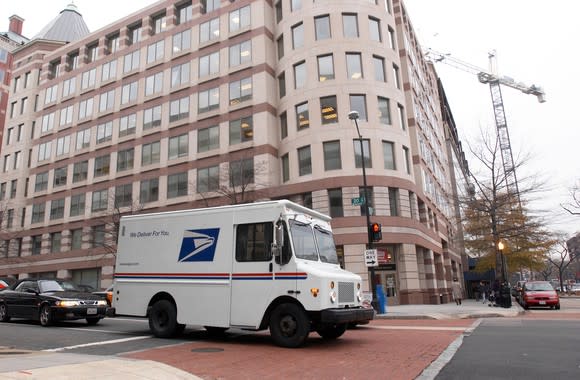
(267, 265)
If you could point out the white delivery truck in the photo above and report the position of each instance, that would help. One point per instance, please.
(252, 266)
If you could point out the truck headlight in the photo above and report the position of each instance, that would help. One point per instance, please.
(332, 296)
(359, 296)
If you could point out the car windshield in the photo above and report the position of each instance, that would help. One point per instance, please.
(49, 286)
(303, 241)
(325, 245)
(67, 285)
(539, 286)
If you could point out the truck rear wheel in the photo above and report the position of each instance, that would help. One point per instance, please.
(289, 325)
(330, 331)
(163, 319)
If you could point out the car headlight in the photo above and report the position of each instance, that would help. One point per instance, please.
(67, 303)
(332, 296)
(102, 303)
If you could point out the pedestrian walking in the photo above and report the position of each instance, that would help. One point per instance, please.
(456, 291)
(483, 291)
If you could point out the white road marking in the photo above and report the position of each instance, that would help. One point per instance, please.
(84, 329)
(423, 328)
(114, 341)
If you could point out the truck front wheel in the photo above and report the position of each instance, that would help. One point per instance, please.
(163, 319)
(289, 325)
(330, 331)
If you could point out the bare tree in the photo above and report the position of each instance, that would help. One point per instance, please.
(573, 206)
(561, 258)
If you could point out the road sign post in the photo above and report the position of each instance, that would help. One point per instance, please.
(371, 259)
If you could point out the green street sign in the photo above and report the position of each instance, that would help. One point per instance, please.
(357, 201)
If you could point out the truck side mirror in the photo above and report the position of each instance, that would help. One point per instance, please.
(278, 244)
(279, 234)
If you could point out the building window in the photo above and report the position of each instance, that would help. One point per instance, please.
(38, 212)
(379, 63)
(300, 75)
(44, 151)
(100, 200)
(152, 117)
(402, 117)
(389, 155)
(109, 71)
(384, 110)
(159, 23)
(177, 185)
(154, 84)
(150, 153)
(104, 132)
(209, 30)
(354, 65)
(178, 146)
(282, 85)
(184, 13)
(125, 159)
(279, 14)
(135, 33)
(124, 195)
(80, 171)
(77, 204)
(396, 77)
(208, 139)
(131, 61)
(88, 79)
(182, 41)
(407, 158)
(350, 25)
(85, 108)
(36, 244)
(392, 38)
(367, 153)
(241, 130)
(325, 67)
(155, 51)
(57, 209)
(102, 165)
(127, 125)
(280, 45)
(240, 90)
(283, 125)
(394, 201)
(180, 75)
(208, 100)
(285, 168)
(3, 188)
(304, 161)
(298, 36)
(179, 109)
(209, 64)
(68, 88)
(332, 159)
(113, 43)
(358, 103)
(241, 53)
(16, 162)
(76, 238)
(207, 179)
(66, 116)
(47, 123)
(98, 235)
(13, 188)
(335, 203)
(322, 27)
(209, 5)
(240, 19)
(83, 139)
(107, 101)
(302, 116)
(241, 172)
(328, 109)
(374, 29)
(60, 175)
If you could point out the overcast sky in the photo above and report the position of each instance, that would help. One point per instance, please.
(535, 41)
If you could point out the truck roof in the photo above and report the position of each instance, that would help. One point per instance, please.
(283, 203)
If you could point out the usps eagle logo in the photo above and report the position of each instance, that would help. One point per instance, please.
(198, 245)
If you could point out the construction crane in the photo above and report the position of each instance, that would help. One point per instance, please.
(495, 81)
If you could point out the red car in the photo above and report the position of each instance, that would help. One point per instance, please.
(539, 293)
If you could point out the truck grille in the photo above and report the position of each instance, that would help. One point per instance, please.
(345, 292)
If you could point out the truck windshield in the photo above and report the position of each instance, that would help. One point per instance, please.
(325, 246)
(303, 241)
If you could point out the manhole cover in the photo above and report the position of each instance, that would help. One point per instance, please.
(207, 349)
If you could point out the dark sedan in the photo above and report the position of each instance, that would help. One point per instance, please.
(47, 301)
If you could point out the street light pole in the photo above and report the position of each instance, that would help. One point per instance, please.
(353, 115)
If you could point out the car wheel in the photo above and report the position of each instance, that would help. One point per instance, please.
(289, 325)
(163, 319)
(558, 307)
(93, 321)
(330, 331)
(45, 316)
(4, 313)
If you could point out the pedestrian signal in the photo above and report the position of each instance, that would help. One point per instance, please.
(375, 232)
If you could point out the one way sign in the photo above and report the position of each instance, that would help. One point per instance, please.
(371, 259)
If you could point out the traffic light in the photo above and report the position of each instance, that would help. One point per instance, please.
(375, 232)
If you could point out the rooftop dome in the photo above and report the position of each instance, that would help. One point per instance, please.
(68, 26)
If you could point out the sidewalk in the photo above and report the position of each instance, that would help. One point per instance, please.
(23, 364)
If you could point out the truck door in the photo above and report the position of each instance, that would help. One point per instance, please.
(253, 281)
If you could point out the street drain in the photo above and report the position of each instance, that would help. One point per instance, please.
(207, 349)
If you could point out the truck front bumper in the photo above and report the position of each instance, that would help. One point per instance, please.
(335, 316)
